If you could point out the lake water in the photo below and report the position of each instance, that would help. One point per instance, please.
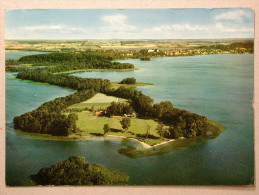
(18, 55)
(217, 86)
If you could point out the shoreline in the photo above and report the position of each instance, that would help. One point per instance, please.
(92, 70)
(91, 138)
(218, 128)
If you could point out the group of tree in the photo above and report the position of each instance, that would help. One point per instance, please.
(248, 45)
(76, 171)
(128, 81)
(141, 103)
(60, 62)
(119, 109)
(181, 122)
(42, 75)
(11, 62)
(48, 118)
(11, 65)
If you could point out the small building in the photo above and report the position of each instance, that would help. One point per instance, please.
(133, 115)
(98, 113)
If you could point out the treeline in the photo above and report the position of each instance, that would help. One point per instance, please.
(248, 45)
(48, 118)
(11, 62)
(119, 109)
(131, 80)
(42, 75)
(76, 171)
(181, 122)
(61, 62)
(11, 65)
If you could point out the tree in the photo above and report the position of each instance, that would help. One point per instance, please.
(175, 132)
(160, 129)
(128, 81)
(106, 129)
(125, 122)
(148, 130)
(162, 108)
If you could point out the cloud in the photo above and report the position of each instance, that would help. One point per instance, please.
(116, 23)
(180, 27)
(237, 15)
(222, 28)
(115, 19)
(42, 27)
(54, 28)
(188, 27)
(218, 30)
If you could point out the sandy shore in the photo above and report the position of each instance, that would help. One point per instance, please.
(144, 145)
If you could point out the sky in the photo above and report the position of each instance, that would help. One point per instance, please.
(129, 24)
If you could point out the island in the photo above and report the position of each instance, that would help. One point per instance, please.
(76, 171)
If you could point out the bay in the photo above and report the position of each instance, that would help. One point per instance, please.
(219, 87)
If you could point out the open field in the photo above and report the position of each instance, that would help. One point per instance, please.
(81, 45)
(93, 125)
(98, 101)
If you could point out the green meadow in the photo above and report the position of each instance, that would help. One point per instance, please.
(93, 125)
(99, 101)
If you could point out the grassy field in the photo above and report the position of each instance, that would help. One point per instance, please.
(82, 45)
(93, 125)
(98, 101)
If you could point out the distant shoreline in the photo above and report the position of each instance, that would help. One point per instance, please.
(91, 70)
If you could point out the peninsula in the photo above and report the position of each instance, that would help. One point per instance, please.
(102, 108)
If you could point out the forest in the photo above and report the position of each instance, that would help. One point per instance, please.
(76, 171)
(182, 122)
(62, 80)
(48, 118)
(60, 62)
(128, 81)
